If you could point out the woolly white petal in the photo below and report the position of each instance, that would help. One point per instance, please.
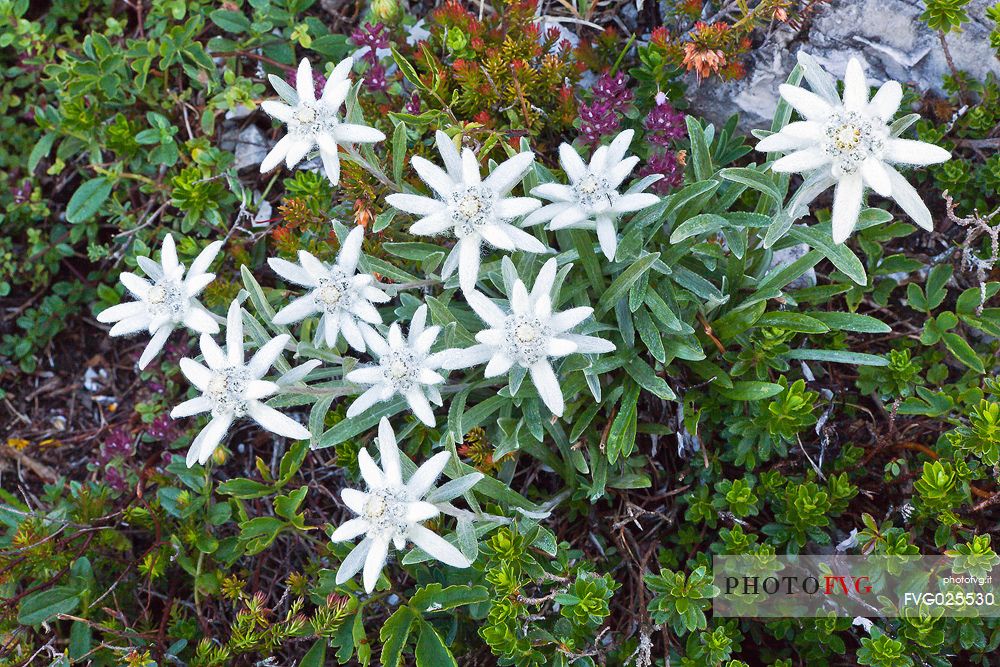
(554, 191)
(204, 259)
(122, 311)
(374, 562)
(809, 105)
(420, 511)
(349, 530)
(149, 267)
(499, 364)
(544, 379)
(291, 272)
(354, 499)
(846, 206)
(433, 224)
(495, 236)
(487, 311)
(131, 325)
(590, 344)
(634, 202)
(200, 321)
(855, 87)
(425, 476)
(278, 110)
(437, 547)
(515, 207)
(369, 471)
(214, 356)
(468, 263)
(607, 235)
(192, 407)
(571, 162)
(298, 149)
(907, 151)
(876, 176)
(449, 155)
(885, 102)
(560, 347)
(208, 440)
(470, 167)
(299, 308)
(455, 359)
(568, 319)
(389, 452)
(433, 175)
(276, 422)
(234, 333)
(800, 161)
(304, 84)
(420, 406)
(369, 398)
(545, 279)
(196, 374)
(354, 561)
(349, 133)
(416, 204)
(276, 154)
(906, 196)
(258, 389)
(509, 173)
(139, 287)
(154, 346)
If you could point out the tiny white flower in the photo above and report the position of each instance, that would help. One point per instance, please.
(528, 336)
(314, 122)
(473, 209)
(166, 303)
(232, 389)
(848, 143)
(341, 295)
(405, 367)
(592, 200)
(391, 511)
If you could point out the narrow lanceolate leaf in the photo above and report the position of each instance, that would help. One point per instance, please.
(620, 285)
(839, 254)
(750, 391)
(699, 225)
(838, 357)
(852, 322)
(621, 437)
(793, 322)
(435, 597)
(752, 178)
(348, 428)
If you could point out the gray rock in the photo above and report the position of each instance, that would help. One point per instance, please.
(887, 35)
(788, 255)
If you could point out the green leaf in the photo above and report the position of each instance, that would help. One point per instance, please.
(398, 151)
(839, 254)
(394, 633)
(259, 533)
(793, 322)
(963, 351)
(838, 357)
(41, 606)
(705, 223)
(316, 655)
(621, 437)
(87, 199)
(434, 597)
(431, 651)
(701, 159)
(245, 489)
(348, 428)
(851, 322)
(620, 285)
(41, 150)
(407, 69)
(753, 179)
(230, 21)
(750, 391)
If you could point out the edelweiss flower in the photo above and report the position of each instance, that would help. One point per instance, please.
(166, 303)
(341, 296)
(313, 122)
(528, 336)
(592, 198)
(391, 511)
(405, 367)
(232, 389)
(475, 210)
(849, 143)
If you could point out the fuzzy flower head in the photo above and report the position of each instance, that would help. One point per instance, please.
(474, 209)
(314, 122)
(391, 511)
(849, 143)
(169, 301)
(232, 388)
(592, 197)
(405, 368)
(341, 296)
(530, 335)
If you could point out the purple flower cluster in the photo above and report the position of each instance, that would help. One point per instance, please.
(611, 98)
(667, 165)
(413, 105)
(114, 478)
(163, 428)
(664, 123)
(375, 37)
(117, 444)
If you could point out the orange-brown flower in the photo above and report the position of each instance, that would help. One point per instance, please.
(703, 61)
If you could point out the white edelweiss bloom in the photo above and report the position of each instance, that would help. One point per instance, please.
(314, 122)
(472, 208)
(342, 297)
(391, 511)
(232, 389)
(529, 336)
(592, 199)
(166, 303)
(848, 143)
(405, 367)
